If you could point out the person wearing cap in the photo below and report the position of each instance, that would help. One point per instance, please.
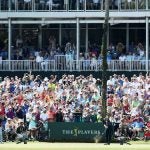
(108, 130)
(21, 133)
(59, 115)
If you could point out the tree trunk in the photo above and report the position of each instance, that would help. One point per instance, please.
(104, 59)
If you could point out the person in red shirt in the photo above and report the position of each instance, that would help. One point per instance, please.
(20, 98)
(147, 131)
(2, 111)
(126, 107)
(110, 103)
(51, 115)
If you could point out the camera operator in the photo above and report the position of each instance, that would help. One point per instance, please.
(21, 133)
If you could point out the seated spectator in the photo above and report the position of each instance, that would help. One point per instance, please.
(147, 130)
(138, 126)
(10, 129)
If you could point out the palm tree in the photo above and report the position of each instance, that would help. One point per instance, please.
(104, 59)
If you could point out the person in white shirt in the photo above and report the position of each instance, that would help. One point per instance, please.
(110, 82)
(44, 119)
(38, 59)
(44, 116)
(125, 87)
(29, 115)
(29, 95)
(122, 57)
(135, 111)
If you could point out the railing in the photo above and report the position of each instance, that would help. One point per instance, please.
(73, 65)
(72, 5)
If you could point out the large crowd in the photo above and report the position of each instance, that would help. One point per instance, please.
(35, 101)
(21, 50)
(70, 4)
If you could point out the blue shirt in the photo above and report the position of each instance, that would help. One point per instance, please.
(138, 124)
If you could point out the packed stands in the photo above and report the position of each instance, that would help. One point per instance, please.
(36, 100)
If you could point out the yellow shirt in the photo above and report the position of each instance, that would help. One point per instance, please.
(52, 86)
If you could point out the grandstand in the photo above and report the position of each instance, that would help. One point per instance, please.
(64, 37)
(54, 35)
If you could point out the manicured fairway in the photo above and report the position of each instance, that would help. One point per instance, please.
(74, 146)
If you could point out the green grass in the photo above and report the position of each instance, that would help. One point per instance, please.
(75, 146)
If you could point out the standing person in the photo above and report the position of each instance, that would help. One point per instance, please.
(1, 132)
(66, 3)
(109, 130)
(59, 115)
(32, 126)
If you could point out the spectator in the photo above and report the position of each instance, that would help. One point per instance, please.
(137, 127)
(21, 133)
(72, 99)
(59, 116)
(1, 133)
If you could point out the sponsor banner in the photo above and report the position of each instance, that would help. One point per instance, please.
(60, 131)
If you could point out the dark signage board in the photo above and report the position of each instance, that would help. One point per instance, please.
(75, 132)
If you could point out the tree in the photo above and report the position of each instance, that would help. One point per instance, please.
(104, 59)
